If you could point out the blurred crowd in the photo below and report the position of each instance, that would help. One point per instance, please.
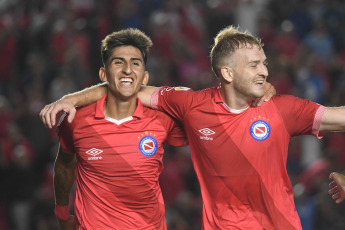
(49, 48)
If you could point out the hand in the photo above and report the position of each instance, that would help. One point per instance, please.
(270, 91)
(49, 112)
(68, 224)
(337, 187)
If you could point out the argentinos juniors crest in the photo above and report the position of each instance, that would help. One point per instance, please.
(148, 146)
(260, 130)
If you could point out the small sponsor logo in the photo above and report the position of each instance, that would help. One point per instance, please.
(148, 146)
(181, 88)
(94, 152)
(260, 130)
(206, 132)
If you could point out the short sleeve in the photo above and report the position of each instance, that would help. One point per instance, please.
(300, 116)
(175, 101)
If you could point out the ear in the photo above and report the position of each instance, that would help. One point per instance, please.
(146, 78)
(102, 74)
(227, 73)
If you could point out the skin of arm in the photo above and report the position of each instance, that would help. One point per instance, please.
(337, 187)
(64, 176)
(333, 119)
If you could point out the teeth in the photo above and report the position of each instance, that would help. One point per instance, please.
(126, 80)
(259, 81)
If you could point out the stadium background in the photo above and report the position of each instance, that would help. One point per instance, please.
(51, 47)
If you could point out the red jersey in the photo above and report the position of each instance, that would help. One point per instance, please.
(240, 158)
(118, 165)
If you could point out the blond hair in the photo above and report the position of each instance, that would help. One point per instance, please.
(227, 41)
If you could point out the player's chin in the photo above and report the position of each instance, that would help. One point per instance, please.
(258, 94)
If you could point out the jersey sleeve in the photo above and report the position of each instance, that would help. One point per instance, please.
(65, 135)
(300, 116)
(175, 101)
(177, 136)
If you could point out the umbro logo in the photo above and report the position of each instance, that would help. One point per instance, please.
(206, 132)
(94, 152)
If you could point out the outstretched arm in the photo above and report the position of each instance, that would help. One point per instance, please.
(68, 103)
(337, 187)
(64, 175)
(333, 119)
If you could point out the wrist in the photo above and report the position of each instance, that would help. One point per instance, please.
(70, 99)
(61, 212)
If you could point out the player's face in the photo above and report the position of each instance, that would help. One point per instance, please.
(125, 72)
(250, 72)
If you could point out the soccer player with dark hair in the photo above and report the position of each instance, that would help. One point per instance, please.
(116, 147)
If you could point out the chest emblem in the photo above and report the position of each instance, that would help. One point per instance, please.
(260, 130)
(148, 146)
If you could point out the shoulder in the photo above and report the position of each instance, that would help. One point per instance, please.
(188, 92)
(288, 100)
(81, 113)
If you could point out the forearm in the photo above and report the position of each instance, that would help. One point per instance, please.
(333, 119)
(145, 94)
(64, 176)
(87, 96)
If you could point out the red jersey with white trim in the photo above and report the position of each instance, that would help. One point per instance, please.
(118, 166)
(240, 158)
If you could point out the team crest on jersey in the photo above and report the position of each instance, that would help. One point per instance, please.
(260, 130)
(148, 146)
(181, 88)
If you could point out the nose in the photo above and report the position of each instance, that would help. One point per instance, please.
(264, 71)
(127, 69)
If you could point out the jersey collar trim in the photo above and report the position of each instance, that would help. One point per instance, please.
(99, 113)
(217, 97)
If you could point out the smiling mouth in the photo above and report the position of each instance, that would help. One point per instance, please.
(259, 82)
(126, 80)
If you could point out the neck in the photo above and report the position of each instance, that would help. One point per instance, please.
(119, 109)
(234, 100)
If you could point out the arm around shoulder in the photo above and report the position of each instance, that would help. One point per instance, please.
(145, 95)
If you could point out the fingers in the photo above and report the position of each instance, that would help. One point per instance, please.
(52, 114)
(49, 112)
(333, 189)
(331, 176)
(259, 101)
(44, 115)
(71, 115)
(338, 197)
(337, 194)
(269, 93)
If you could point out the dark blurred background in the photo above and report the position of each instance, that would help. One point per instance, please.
(49, 48)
